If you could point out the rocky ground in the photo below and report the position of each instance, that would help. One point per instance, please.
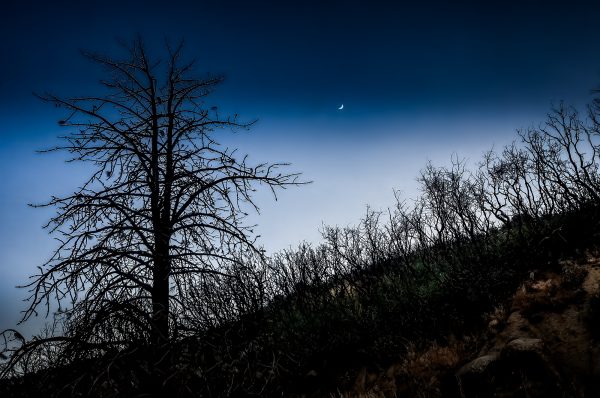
(544, 343)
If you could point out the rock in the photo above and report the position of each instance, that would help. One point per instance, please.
(475, 378)
(520, 369)
(516, 326)
(523, 345)
(494, 325)
(311, 373)
(528, 354)
(478, 365)
(591, 283)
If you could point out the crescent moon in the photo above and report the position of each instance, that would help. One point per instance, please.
(341, 107)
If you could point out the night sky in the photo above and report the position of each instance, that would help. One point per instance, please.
(418, 82)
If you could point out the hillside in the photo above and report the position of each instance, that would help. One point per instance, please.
(543, 343)
(484, 285)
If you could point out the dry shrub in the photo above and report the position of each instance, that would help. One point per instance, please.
(434, 357)
(573, 275)
(546, 287)
(353, 394)
(496, 319)
(521, 299)
(420, 374)
(544, 295)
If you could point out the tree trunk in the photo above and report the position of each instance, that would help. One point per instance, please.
(160, 293)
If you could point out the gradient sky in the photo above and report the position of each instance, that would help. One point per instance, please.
(418, 82)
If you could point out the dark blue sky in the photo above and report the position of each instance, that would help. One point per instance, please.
(289, 57)
(419, 81)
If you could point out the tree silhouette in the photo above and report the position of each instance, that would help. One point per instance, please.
(162, 211)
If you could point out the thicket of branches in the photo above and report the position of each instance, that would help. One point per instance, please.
(249, 325)
(424, 269)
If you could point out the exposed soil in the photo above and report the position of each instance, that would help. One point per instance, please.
(542, 344)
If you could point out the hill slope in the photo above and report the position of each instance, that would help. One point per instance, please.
(543, 343)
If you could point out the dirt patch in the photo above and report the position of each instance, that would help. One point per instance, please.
(552, 313)
(591, 284)
(540, 345)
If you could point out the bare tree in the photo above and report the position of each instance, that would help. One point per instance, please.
(162, 212)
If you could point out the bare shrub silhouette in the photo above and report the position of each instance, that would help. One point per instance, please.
(432, 267)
